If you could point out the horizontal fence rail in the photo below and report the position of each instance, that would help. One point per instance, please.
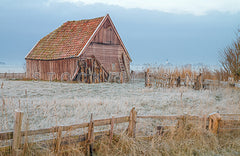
(214, 122)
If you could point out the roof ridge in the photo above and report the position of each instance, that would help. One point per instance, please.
(85, 19)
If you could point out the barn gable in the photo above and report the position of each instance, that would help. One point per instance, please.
(107, 34)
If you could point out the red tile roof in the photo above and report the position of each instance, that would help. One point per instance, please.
(66, 41)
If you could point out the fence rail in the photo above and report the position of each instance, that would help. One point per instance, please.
(213, 122)
(198, 82)
(13, 75)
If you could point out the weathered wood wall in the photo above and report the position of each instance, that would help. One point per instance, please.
(45, 68)
(106, 54)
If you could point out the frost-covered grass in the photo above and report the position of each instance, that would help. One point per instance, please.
(48, 104)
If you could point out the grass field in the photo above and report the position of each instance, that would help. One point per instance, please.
(47, 104)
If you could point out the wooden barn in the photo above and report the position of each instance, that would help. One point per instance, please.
(87, 50)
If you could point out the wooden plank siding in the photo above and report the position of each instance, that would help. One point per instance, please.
(44, 67)
(106, 55)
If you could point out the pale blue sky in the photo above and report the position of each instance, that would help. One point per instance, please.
(153, 31)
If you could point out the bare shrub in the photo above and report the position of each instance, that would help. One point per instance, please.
(230, 59)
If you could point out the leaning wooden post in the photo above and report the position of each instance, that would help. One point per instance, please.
(58, 140)
(214, 119)
(17, 133)
(98, 76)
(90, 137)
(132, 123)
(103, 76)
(147, 79)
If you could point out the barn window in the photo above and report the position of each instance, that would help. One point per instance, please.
(113, 67)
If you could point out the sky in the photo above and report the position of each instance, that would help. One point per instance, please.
(153, 31)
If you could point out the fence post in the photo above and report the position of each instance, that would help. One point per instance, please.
(59, 138)
(147, 80)
(214, 119)
(205, 121)
(90, 137)
(132, 123)
(111, 131)
(17, 133)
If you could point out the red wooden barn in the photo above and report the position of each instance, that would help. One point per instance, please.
(85, 50)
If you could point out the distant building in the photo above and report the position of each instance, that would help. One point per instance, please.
(80, 50)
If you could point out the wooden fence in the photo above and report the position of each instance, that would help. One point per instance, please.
(214, 122)
(13, 75)
(166, 80)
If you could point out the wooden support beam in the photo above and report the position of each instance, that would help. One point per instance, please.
(103, 76)
(17, 133)
(82, 71)
(101, 73)
(97, 76)
(132, 123)
(121, 77)
(95, 71)
(90, 75)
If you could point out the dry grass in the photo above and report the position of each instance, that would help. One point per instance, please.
(207, 73)
(186, 140)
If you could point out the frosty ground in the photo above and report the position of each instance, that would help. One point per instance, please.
(47, 104)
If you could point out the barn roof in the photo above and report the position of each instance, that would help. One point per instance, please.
(69, 40)
(66, 41)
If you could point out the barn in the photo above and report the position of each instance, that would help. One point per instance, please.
(87, 50)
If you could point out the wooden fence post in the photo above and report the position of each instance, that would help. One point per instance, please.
(147, 79)
(90, 137)
(132, 123)
(59, 138)
(214, 119)
(111, 130)
(17, 133)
